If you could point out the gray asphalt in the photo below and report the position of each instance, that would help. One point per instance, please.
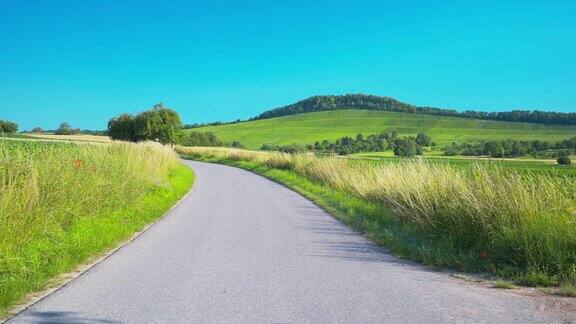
(241, 248)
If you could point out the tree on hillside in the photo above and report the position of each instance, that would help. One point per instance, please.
(122, 128)
(66, 129)
(201, 139)
(8, 126)
(369, 102)
(37, 130)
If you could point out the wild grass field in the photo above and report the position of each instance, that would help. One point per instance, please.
(517, 164)
(307, 128)
(478, 217)
(62, 204)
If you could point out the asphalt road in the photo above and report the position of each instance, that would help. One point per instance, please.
(241, 248)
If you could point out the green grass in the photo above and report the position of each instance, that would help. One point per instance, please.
(63, 204)
(310, 127)
(479, 218)
(517, 164)
(564, 291)
(503, 284)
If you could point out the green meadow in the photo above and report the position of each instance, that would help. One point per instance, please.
(331, 125)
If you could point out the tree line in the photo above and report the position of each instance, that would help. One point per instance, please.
(63, 129)
(514, 148)
(160, 124)
(66, 129)
(370, 102)
(216, 123)
(206, 139)
(406, 146)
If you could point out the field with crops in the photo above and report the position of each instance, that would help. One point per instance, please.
(62, 204)
(474, 217)
(308, 128)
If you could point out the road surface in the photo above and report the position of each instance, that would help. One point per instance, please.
(241, 248)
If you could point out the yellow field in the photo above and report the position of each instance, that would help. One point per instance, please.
(83, 138)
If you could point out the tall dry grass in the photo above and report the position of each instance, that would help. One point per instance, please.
(527, 221)
(44, 184)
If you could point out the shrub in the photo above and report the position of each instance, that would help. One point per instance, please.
(269, 147)
(564, 160)
(235, 144)
(423, 139)
(201, 139)
(405, 147)
(494, 149)
(451, 151)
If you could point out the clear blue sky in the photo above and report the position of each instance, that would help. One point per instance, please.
(86, 61)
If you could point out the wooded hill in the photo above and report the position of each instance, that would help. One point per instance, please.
(370, 102)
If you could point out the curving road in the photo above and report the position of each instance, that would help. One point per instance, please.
(241, 248)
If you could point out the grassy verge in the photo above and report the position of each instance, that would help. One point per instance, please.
(480, 219)
(63, 204)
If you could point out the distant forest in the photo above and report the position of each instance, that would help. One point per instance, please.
(369, 102)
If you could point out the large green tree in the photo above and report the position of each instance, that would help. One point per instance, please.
(8, 127)
(157, 124)
(122, 128)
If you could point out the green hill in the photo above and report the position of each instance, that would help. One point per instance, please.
(306, 128)
(371, 102)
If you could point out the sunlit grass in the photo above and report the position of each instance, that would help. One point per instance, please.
(503, 284)
(63, 203)
(307, 128)
(478, 218)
